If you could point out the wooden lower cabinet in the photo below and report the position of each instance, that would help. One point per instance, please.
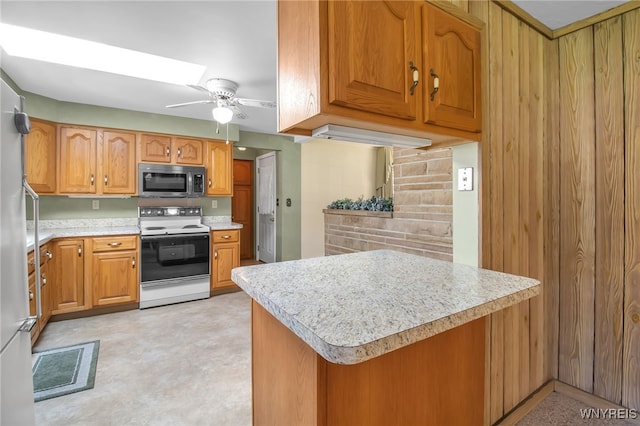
(225, 253)
(108, 276)
(114, 277)
(436, 381)
(46, 279)
(68, 293)
(114, 270)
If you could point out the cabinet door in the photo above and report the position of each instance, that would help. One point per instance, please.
(225, 258)
(452, 51)
(68, 290)
(115, 277)
(47, 277)
(371, 45)
(187, 151)
(77, 160)
(118, 163)
(155, 148)
(219, 168)
(35, 331)
(41, 156)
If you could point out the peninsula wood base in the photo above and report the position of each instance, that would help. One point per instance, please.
(436, 381)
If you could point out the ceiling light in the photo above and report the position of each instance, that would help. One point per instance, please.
(350, 134)
(75, 52)
(222, 114)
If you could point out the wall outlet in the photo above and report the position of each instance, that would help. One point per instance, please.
(95, 204)
(214, 204)
(465, 179)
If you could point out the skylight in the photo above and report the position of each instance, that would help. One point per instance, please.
(75, 52)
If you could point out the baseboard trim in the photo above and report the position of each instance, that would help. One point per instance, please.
(526, 406)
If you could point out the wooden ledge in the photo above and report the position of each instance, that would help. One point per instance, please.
(368, 213)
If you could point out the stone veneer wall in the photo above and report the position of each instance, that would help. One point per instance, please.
(422, 217)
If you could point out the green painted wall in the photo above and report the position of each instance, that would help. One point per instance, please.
(288, 163)
(288, 185)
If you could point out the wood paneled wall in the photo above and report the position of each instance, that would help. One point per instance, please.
(599, 324)
(561, 203)
(514, 200)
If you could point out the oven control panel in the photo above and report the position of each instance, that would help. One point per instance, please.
(169, 211)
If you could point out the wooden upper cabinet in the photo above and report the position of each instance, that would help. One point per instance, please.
(353, 63)
(451, 49)
(118, 163)
(77, 162)
(371, 47)
(155, 148)
(187, 151)
(171, 149)
(219, 163)
(41, 156)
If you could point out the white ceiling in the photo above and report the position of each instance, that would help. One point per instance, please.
(235, 40)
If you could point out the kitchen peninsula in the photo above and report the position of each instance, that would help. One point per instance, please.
(376, 338)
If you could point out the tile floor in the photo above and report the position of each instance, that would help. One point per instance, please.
(184, 364)
(188, 364)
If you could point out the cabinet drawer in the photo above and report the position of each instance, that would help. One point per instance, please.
(226, 236)
(123, 242)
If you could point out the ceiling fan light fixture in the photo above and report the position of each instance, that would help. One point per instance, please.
(222, 114)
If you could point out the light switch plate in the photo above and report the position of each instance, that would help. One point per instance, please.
(95, 204)
(465, 179)
(214, 204)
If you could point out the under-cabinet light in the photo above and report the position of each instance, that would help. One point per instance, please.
(75, 52)
(350, 134)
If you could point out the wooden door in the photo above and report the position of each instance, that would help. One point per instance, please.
(68, 292)
(452, 51)
(219, 168)
(77, 160)
(187, 151)
(114, 277)
(242, 205)
(155, 148)
(371, 46)
(40, 153)
(118, 163)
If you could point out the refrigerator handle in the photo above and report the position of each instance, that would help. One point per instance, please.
(23, 125)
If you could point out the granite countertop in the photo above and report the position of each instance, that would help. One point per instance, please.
(47, 234)
(64, 228)
(353, 307)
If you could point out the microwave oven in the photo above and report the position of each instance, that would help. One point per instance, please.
(164, 180)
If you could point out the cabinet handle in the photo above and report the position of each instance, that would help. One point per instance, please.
(215, 254)
(48, 254)
(436, 84)
(416, 77)
(133, 262)
(43, 279)
(179, 152)
(79, 250)
(168, 151)
(30, 295)
(92, 180)
(226, 237)
(209, 183)
(114, 244)
(106, 180)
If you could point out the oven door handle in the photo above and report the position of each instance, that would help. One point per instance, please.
(169, 236)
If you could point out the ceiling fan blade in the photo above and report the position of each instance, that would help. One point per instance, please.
(200, 88)
(238, 113)
(205, 101)
(256, 103)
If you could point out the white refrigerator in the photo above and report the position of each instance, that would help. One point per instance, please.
(16, 383)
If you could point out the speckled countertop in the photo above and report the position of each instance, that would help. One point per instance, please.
(61, 228)
(353, 307)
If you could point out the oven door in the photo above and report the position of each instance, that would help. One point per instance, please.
(167, 258)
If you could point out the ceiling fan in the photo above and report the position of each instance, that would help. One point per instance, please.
(223, 93)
